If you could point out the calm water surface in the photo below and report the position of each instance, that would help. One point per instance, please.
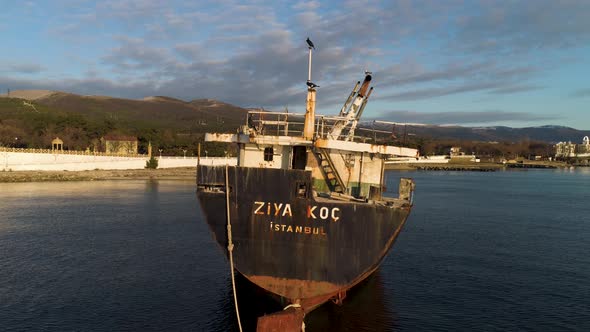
(481, 251)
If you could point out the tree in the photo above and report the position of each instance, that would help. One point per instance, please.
(152, 163)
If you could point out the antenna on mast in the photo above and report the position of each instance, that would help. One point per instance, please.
(308, 126)
(310, 46)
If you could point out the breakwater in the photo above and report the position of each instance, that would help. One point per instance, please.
(448, 167)
(472, 167)
(531, 166)
(475, 167)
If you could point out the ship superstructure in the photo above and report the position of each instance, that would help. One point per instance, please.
(338, 163)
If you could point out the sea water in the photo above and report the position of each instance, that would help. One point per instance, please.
(506, 250)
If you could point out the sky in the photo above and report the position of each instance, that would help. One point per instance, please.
(472, 63)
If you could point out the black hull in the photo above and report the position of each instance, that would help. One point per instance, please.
(290, 243)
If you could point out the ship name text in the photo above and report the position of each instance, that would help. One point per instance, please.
(311, 212)
(284, 210)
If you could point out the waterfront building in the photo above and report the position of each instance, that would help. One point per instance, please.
(573, 150)
(121, 144)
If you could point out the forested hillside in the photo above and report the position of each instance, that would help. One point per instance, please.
(80, 121)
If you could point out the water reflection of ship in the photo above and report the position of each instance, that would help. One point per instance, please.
(253, 302)
(365, 309)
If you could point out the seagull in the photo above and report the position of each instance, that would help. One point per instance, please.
(310, 44)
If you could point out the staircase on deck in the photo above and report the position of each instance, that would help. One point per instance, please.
(331, 175)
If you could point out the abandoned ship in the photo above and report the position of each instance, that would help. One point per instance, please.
(303, 215)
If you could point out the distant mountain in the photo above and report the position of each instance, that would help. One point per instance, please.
(548, 133)
(167, 117)
(154, 111)
(28, 94)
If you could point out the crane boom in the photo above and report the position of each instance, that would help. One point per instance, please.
(355, 121)
(352, 93)
(351, 113)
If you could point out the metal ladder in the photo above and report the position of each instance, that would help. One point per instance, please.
(331, 175)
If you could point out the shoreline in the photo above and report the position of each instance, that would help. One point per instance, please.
(189, 173)
(474, 167)
(180, 173)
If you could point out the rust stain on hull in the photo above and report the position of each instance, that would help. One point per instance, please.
(293, 289)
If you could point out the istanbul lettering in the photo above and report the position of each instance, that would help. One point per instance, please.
(313, 212)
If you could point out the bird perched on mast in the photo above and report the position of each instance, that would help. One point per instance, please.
(310, 84)
(310, 44)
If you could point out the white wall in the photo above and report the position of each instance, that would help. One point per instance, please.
(24, 161)
(169, 162)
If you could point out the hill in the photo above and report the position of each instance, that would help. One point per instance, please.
(29, 94)
(151, 111)
(548, 134)
(81, 121)
(37, 116)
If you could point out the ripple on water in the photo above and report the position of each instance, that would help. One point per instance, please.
(481, 251)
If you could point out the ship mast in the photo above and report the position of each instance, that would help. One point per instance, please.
(308, 126)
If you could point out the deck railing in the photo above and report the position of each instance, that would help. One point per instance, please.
(291, 124)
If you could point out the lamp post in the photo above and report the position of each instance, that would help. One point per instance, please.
(184, 151)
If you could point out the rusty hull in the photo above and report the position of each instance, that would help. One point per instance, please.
(309, 252)
(289, 320)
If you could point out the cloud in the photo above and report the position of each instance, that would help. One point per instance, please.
(132, 8)
(190, 50)
(581, 93)
(133, 54)
(306, 5)
(483, 117)
(517, 27)
(254, 54)
(272, 74)
(455, 78)
(442, 91)
(23, 68)
(515, 89)
(87, 86)
(411, 72)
